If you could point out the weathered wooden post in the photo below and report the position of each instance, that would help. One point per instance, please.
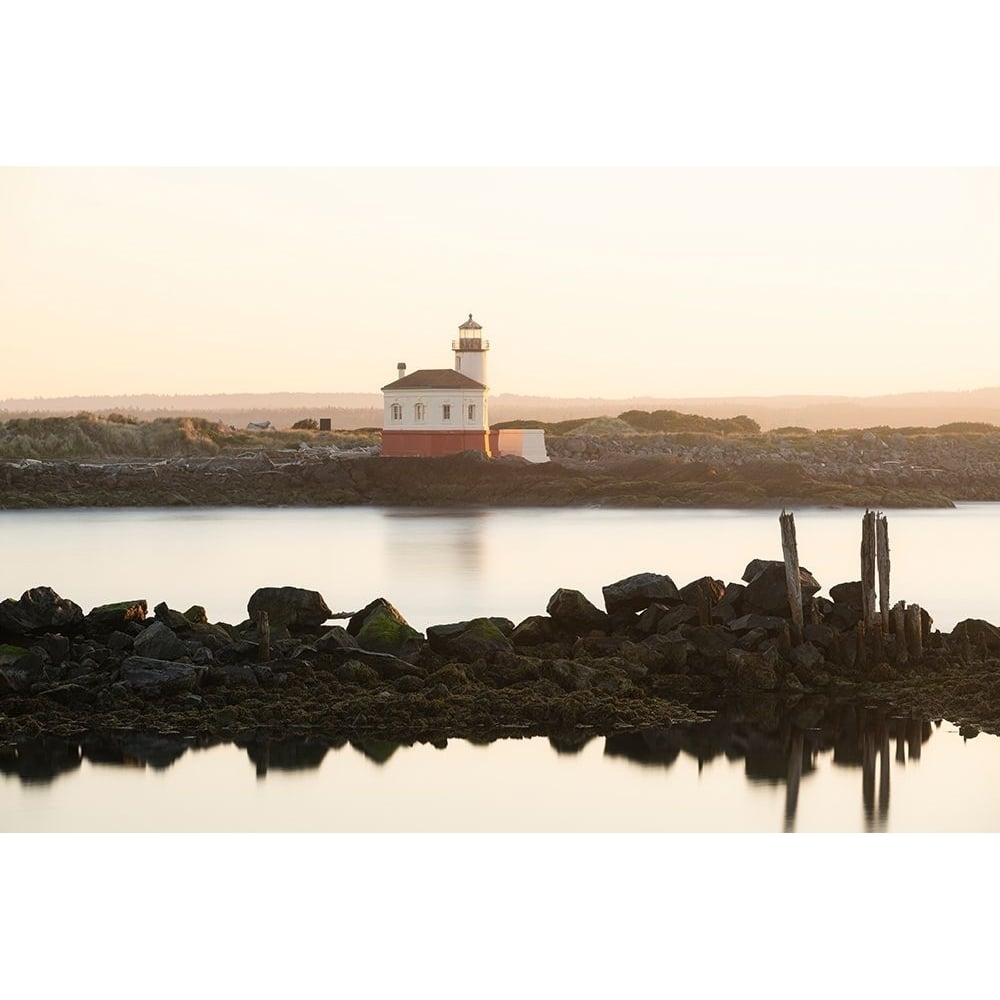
(793, 583)
(914, 632)
(899, 627)
(868, 548)
(882, 554)
(263, 636)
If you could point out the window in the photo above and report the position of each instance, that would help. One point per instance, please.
(458, 362)
(419, 411)
(446, 411)
(396, 411)
(472, 411)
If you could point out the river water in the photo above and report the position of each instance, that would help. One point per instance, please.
(858, 769)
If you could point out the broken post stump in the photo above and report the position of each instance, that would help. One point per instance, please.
(899, 627)
(793, 583)
(914, 632)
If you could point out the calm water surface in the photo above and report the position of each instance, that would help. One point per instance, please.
(439, 566)
(857, 771)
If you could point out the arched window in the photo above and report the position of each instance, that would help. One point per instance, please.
(396, 411)
(419, 411)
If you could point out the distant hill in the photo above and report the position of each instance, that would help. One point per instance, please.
(350, 410)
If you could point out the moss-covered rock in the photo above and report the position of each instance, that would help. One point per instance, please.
(383, 632)
(468, 640)
(117, 614)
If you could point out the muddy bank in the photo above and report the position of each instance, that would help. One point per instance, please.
(656, 654)
(317, 478)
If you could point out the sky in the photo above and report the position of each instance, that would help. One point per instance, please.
(588, 281)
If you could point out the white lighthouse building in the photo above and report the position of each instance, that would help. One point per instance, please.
(442, 411)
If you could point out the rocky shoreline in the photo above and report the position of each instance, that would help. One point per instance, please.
(685, 477)
(655, 655)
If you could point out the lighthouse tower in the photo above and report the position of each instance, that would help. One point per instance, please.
(470, 351)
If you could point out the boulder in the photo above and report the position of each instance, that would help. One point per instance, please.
(118, 614)
(148, 676)
(384, 630)
(158, 642)
(767, 623)
(752, 671)
(534, 631)
(40, 609)
(468, 640)
(847, 594)
(289, 607)
(768, 592)
(569, 674)
(19, 669)
(730, 605)
(704, 588)
(977, 631)
(572, 611)
(336, 637)
(636, 593)
(664, 655)
(172, 619)
(196, 615)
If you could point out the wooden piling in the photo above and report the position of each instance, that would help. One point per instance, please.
(914, 632)
(793, 583)
(868, 552)
(899, 627)
(263, 636)
(882, 557)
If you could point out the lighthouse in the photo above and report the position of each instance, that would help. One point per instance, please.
(470, 351)
(443, 411)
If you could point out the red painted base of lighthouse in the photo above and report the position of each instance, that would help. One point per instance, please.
(429, 444)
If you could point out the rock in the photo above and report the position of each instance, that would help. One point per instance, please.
(752, 671)
(56, 647)
(386, 631)
(704, 587)
(636, 593)
(710, 642)
(40, 609)
(385, 665)
(820, 635)
(116, 615)
(534, 631)
(767, 591)
(336, 637)
(196, 615)
(568, 674)
(504, 624)
(468, 640)
(848, 594)
(159, 677)
(767, 623)
(172, 619)
(158, 642)
(19, 669)
(659, 618)
(730, 605)
(118, 642)
(664, 655)
(358, 618)
(977, 631)
(289, 607)
(572, 611)
(807, 657)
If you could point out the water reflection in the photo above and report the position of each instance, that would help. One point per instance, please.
(415, 539)
(784, 749)
(775, 745)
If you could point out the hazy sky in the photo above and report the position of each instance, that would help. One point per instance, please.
(588, 281)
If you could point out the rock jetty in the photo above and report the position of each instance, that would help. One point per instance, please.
(655, 653)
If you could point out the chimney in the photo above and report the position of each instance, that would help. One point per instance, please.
(400, 369)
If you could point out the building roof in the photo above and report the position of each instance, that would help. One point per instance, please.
(470, 324)
(434, 378)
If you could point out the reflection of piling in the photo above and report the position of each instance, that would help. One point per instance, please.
(263, 636)
(883, 774)
(868, 773)
(793, 582)
(794, 777)
(914, 737)
(263, 759)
